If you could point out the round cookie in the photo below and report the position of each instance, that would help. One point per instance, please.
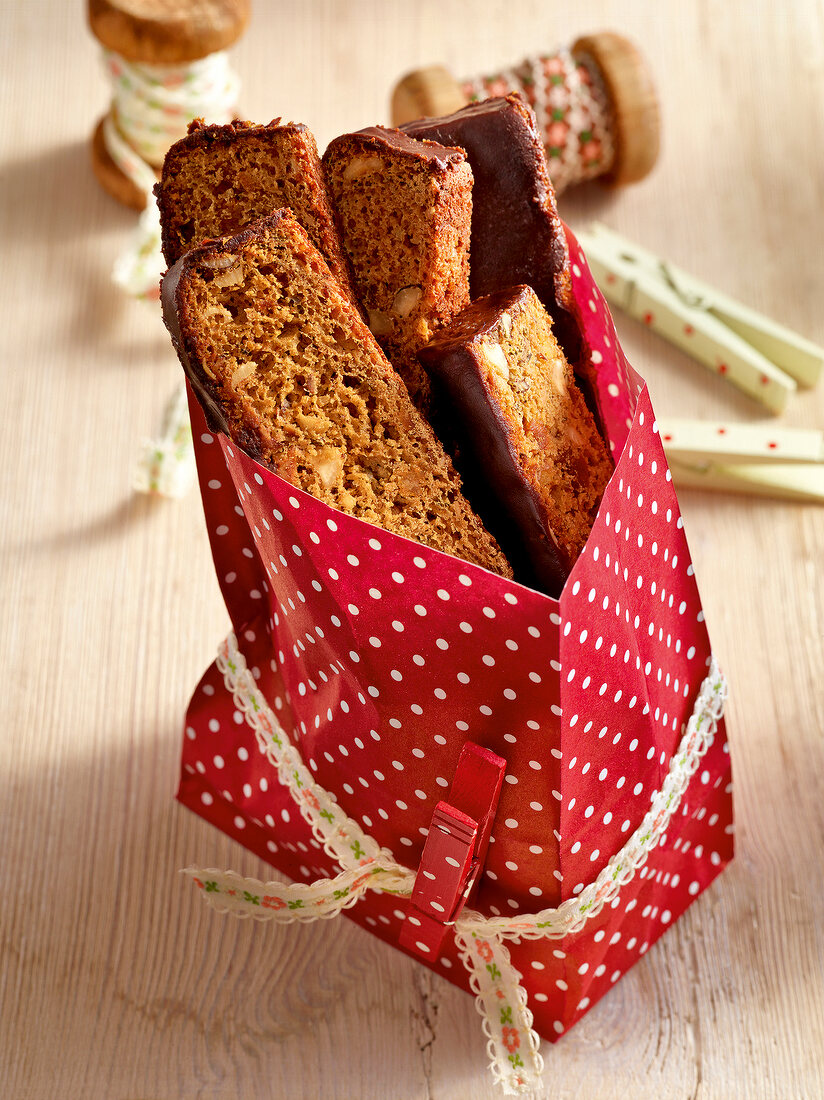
(167, 32)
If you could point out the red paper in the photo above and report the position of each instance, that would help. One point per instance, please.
(382, 657)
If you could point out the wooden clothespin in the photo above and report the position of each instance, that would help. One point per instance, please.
(759, 356)
(455, 850)
(787, 463)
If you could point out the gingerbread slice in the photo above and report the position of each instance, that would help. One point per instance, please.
(533, 463)
(218, 179)
(405, 209)
(517, 236)
(284, 364)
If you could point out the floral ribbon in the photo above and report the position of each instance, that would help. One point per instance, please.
(572, 109)
(513, 1045)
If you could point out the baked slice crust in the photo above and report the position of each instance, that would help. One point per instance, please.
(517, 236)
(218, 179)
(404, 208)
(284, 364)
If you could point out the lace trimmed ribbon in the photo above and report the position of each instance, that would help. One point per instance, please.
(512, 1044)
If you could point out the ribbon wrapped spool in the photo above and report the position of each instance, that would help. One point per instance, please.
(167, 65)
(164, 72)
(595, 103)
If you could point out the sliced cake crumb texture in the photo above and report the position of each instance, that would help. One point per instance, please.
(405, 209)
(219, 179)
(283, 362)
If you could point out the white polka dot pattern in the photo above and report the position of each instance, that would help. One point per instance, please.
(381, 657)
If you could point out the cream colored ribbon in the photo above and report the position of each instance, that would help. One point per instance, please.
(152, 105)
(513, 1045)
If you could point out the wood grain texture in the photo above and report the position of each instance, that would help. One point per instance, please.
(115, 981)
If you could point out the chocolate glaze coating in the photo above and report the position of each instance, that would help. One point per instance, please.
(432, 153)
(517, 236)
(485, 456)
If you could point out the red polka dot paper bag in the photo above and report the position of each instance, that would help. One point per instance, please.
(379, 658)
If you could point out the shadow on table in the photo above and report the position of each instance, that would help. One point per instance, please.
(123, 983)
(55, 204)
(127, 982)
(132, 511)
(52, 194)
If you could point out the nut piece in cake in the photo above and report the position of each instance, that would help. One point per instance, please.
(533, 463)
(320, 406)
(218, 179)
(517, 236)
(404, 208)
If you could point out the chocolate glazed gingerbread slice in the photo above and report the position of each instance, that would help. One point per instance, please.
(517, 236)
(283, 363)
(533, 463)
(405, 209)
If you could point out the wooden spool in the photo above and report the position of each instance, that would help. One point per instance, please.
(157, 32)
(433, 91)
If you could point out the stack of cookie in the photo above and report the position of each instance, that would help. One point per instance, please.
(392, 329)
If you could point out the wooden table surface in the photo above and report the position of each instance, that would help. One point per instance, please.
(116, 982)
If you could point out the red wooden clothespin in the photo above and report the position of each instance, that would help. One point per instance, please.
(455, 849)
